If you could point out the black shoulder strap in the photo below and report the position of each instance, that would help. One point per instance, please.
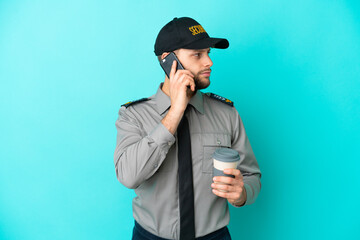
(221, 99)
(134, 102)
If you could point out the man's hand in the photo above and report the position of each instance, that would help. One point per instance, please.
(181, 89)
(230, 188)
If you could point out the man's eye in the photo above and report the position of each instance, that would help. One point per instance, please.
(197, 54)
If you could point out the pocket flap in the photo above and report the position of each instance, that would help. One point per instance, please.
(216, 139)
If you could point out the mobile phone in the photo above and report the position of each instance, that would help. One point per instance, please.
(167, 62)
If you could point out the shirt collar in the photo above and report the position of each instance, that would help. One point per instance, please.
(163, 101)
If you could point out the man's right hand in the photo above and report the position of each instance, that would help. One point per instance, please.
(181, 89)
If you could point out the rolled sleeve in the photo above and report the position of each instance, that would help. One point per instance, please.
(252, 186)
(137, 156)
(162, 137)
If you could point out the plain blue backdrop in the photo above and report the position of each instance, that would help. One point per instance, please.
(292, 69)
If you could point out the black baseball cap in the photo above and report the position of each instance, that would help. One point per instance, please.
(185, 33)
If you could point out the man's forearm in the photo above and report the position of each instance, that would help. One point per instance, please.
(172, 119)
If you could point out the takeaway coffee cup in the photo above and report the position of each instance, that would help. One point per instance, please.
(224, 158)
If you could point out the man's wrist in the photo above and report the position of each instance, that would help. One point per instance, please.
(176, 111)
(241, 202)
(172, 120)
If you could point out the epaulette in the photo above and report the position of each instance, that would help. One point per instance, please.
(221, 99)
(134, 102)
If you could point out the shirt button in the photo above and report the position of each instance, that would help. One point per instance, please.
(169, 143)
(155, 166)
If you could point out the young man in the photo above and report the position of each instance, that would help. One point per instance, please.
(179, 125)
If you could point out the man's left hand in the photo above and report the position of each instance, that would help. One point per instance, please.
(230, 188)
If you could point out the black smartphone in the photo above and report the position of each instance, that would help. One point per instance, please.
(167, 62)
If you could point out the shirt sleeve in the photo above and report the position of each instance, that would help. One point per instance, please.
(248, 165)
(138, 155)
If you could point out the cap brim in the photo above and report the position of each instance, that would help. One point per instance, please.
(221, 43)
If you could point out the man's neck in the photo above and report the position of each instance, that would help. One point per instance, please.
(165, 87)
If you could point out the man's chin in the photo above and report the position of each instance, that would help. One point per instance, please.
(202, 84)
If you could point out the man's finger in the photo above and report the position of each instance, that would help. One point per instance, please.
(234, 172)
(227, 195)
(185, 72)
(173, 70)
(188, 81)
(192, 86)
(223, 187)
(226, 180)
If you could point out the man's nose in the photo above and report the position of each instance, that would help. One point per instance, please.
(207, 61)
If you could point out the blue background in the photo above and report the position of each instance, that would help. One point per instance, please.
(292, 69)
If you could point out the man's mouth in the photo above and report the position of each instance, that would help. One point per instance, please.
(206, 73)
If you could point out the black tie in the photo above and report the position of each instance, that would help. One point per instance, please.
(186, 190)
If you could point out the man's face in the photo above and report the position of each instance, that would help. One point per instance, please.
(198, 63)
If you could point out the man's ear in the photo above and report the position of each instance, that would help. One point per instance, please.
(164, 55)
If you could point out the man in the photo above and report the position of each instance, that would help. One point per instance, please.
(150, 146)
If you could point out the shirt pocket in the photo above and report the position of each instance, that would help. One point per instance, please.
(210, 142)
